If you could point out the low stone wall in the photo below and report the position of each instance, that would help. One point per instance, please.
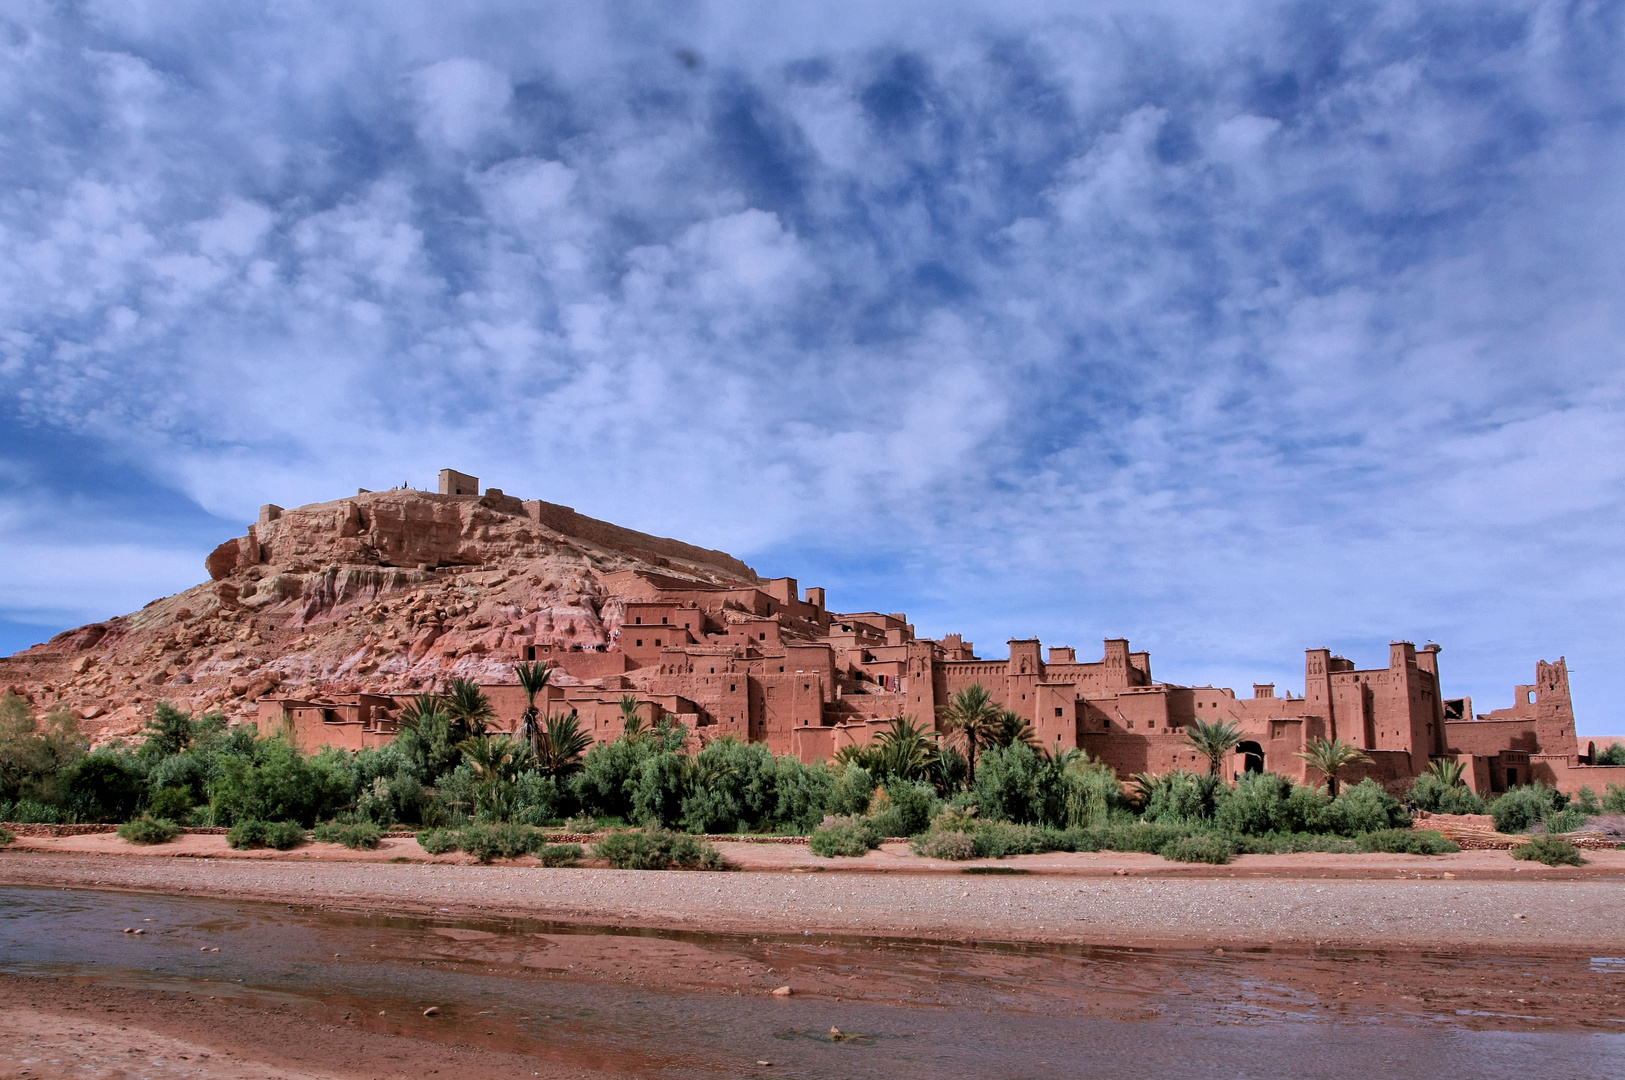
(34, 828)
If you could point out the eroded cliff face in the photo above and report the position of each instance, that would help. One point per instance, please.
(393, 589)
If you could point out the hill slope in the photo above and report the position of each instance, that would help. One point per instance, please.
(394, 587)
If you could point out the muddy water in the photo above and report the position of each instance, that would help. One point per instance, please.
(688, 1005)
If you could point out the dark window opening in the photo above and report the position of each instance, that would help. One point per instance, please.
(638, 621)
(1057, 710)
(640, 643)
(1253, 756)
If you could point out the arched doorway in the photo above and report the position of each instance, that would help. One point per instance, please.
(1252, 756)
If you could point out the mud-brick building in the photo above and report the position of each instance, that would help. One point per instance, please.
(762, 660)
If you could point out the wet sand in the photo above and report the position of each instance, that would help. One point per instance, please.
(297, 991)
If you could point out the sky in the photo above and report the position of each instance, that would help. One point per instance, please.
(1234, 329)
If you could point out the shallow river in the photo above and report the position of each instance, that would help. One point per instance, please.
(922, 1009)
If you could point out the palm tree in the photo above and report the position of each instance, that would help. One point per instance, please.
(533, 677)
(631, 721)
(562, 743)
(470, 710)
(496, 760)
(904, 750)
(1213, 740)
(1013, 728)
(415, 711)
(974, 721)
(1448, 771)
(1330, 757)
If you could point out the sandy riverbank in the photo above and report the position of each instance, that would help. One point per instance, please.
(1474, 900)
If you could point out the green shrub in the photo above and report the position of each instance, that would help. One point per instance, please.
(6, 836)
(173, 802)
(851, 791)
(273, 781)
(1362, 808)
(148, 830)
(1613, 755)
(1293, 843)
(1436, 797)
(912, 806)
(1518, 809)
(1566, 820)
(1017, 783)
(104, 786)
(1268, 803)
(558, 854)
(1406, 842)
(945, 845)
(486, 841)
(849, 836)
(1181, 796)
(655, 848)
(32, 812)
(283, 835)
(1089, 793)
(1199, 847)
(357, 835)
(1147, 837)
(997, 839)
(437, 841)
(540, 800)
(248, 833)
(1551, 850)
(1613, 800)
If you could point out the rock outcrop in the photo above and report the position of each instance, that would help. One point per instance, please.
(395, 589)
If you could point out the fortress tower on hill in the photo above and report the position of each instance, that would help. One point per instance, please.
(324, 619)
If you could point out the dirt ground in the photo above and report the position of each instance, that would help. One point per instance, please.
(1468, 900)
(897, 858)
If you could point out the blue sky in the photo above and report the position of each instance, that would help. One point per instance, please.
(1235, 329)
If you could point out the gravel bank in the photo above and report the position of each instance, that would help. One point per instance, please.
(1540, 913)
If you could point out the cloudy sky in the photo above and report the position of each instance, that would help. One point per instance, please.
(1235, 329)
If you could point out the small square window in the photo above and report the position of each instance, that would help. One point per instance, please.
(639, 621)
(662, 620)
(640, 643)
(1057, 710)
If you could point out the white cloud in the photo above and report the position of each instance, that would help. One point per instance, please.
(460, 101)
(1233, 329)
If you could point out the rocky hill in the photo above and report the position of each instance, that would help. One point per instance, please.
(396, 588)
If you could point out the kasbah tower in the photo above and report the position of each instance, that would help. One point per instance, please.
(323, 621)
